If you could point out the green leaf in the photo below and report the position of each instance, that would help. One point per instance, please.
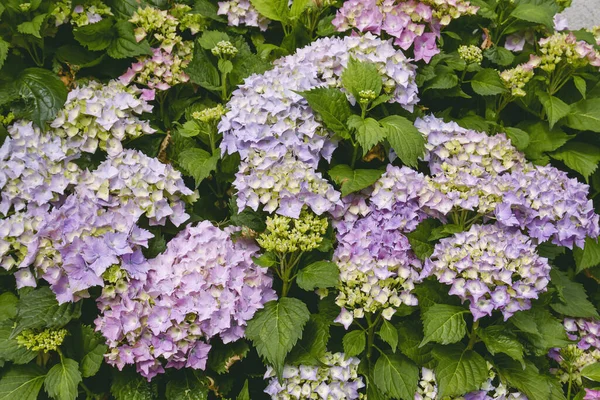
(8, 306)
(124, 44)
(277, 10)
(396, 376)
(91, 350)
(535, 13)
(208, 10)
(499, 339)
(443, 324)
(592, 372)
(554, 107)
(209, 39)
(353, 180)
(573, 298)
(202, 71)
(320, 274)
(581, 85)
(298, 7)
(63, 379)
(4, 47)
(389, 334)
(443, 79)
(332, 105)
(585, 115)
(361, 75)
(9, 347)
(44, 92)
(32, 27)
(409, 338)
(587, 257)
(275, 329)
(198, 163)
(541, 329)
(419, 239)
(225, 66)
(580, 157)
(444, 231)
(499, 55)
(406, 140)
(188, 387)
(458, 371)
(312, 347)
(39, 308)
(221, 358)
(97, 36)
(265, 260)
(527, 380)
(368, 132)
(128, 385)
(487, 82)
(354, 343)
(21, 382)
(542, 139)
(244, 393)
(518, 137)
(485, 9)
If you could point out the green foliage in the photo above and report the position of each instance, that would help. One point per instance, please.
(396, 376)
(443, 324)
(408, 143)
(353, 180)
(44, 92)
(320, 274)
(354, 343)
(332, 105)
(21, 382)
(62, 380)
(458, 370)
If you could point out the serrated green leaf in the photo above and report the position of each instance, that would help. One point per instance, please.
(209, 39)
(573, 298)
(220, 359)
(353, 180)
(587, 257)
(499, 55)
(187, 387)
(354, 343)
(298, 7)
(458, 371)
(581, 85)
(499, 339)
(32, 27)
(90, 350)
(332, 105)
(39, 308)
(124, 44)
(277, 10)
(585, 115)
(361, 76)
(276, 328)
(97, 36)
(409, 338)
(202, 71)
(396, 376)
(320, 274)
(443, 324)
(225, 66)
(580, 157)
(244, 393)
(443, 78)
(63, 379)
(21, 382)
(128, 385)
(541, 329)
(518, 137)
(592, 372)
(9, 347)
(312, 347)
(265, 260)
(198, 163)
(554, 107)
(44, 92)
(444, 231)
(527, 380)
(535, 13)
(419, 239)
(8, 306)
(542, 139)
(389, 334)
(487, 82)
(406, 140)
(368, 132)
(4, 47)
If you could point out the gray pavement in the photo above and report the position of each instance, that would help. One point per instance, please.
(583, 14)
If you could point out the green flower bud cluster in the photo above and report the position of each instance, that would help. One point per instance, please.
(367, 96)
(573, 361)
(288, 235)
(516, 78)
(224, 49)
(161, 23)
(25, 7)
(471, 54)
(563, 47)
(80, 15)
(187, 19)
(210, 114)
(6, 120)
(45, 341)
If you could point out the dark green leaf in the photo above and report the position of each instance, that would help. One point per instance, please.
(209, 39)
(244, 393)
(541, 329)
(592, 372)
(542, 139)
(21, 382)
(409, 338)
(499, 339)
(572, 295)
(91, 350)
(443, 324)
(202, 71)
(368, 132)
(518, 137)
(554, 107)
(96, 36)
(419, 239)
(9, 347)
(332, 105)
(535, 13)
(4, 47)
(124, 44)
(44, 92)
(527, 380)
(320, 274)
(585, 115)
(487, 82)
(312, 347)
(188, 387)
(587, 257)
(406, 140)
(128, 385)
(580, 84)
(63, 379)
(275, 329)
(198, 163)
(361, 76)
(39, 308)
(277, 10)
(353, 180)
(499, 55)
(459, 371)
(580, 157)
(220, 359)
(354, 343)
(396, 376)
(8, 306)
(389, 334)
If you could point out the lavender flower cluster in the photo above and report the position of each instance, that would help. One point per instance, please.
(276, 132)
(203, 285)
(242, 12)
(494, 268)
(404, 20)
(336, 378)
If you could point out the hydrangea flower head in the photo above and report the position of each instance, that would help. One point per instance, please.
(203, 285)
(336, 378)
(242, 12)
(82, 14)
(288, 235)
(44, 341)
(494, 268)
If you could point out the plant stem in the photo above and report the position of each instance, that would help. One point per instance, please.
(473, 335)
(570, 382)
(224, 95)
(370, 336)
(354, 155)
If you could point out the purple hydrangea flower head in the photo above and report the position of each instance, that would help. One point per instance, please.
(102, 115)
(242, 12)
(336, 378)
(203, 285)
(492, 267)
(140, 184)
